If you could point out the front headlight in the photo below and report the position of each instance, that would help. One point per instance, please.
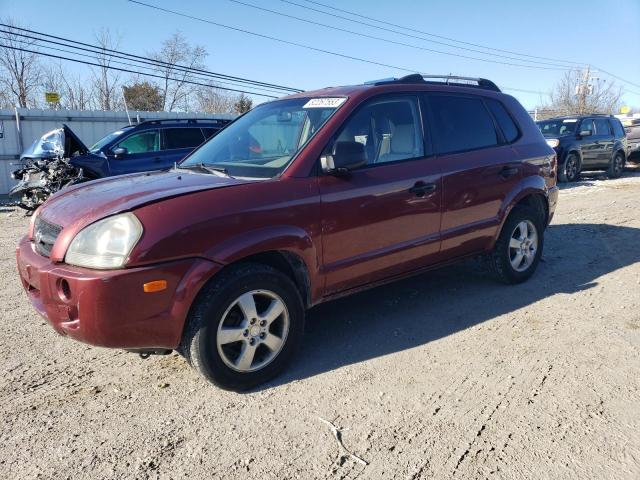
(105, 244)
(553, 142)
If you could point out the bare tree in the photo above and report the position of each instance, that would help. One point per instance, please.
(20, 72)
(73, 89)
(579, 93)
(106, 82)
(178, 56)
(213, 100)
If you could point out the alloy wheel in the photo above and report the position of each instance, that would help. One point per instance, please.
(253, 331)
(523, 246)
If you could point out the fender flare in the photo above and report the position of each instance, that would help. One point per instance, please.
(525, 187)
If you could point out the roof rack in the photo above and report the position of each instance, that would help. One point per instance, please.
(440, 79)
(221, 121)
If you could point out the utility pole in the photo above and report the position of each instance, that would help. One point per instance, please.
(582, 90)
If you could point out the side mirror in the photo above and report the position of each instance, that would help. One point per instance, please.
(586, 133)
(120, 152)
(345, 156)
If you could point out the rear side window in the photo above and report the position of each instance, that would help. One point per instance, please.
(461, 123)
(586, 124)
(618, 131)
(602, 126)
(182, 138)
(506, 123)
(209, 132)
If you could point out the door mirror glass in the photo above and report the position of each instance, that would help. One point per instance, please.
(585, 133)
(345, 156)
(120, 152)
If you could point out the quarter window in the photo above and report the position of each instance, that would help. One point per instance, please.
(182, 138)
(390, 129)
(508, 127)
(602, 126)
(147, 141)
(461, 123)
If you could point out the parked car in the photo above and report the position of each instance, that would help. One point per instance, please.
(302, 200)
(149, 145)
(633, 139)
(593, 142)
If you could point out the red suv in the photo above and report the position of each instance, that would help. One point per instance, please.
(301, 200)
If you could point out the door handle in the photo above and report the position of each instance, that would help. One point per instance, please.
(507, 172)
(420, 189)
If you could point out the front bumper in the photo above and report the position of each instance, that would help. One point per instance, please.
(109, 308)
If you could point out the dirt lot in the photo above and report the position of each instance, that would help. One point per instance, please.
(447, 375)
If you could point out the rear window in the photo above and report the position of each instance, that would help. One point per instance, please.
(182, 138)
(507, 125)
(618, 131)
(461, 123)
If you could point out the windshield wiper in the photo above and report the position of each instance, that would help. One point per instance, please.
(205, 168)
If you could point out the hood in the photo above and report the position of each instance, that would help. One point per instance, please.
(79, 205)
(58, 143)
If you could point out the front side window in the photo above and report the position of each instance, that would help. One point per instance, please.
(618, 130)
(390, 129)
(182, 138)
(143, 142)
(104, 141)
(263, 142)
(587, 125)
(602, 126)
(461, 123)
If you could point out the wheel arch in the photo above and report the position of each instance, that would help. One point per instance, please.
(531, 195)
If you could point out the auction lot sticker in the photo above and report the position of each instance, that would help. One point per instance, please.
(325, 102)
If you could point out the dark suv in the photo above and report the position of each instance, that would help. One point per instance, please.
(150, 145)
(300, 201)
(594, 142)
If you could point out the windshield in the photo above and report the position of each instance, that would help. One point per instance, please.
(558, 128)
(262, 143)
(99, 145)
(50, 145)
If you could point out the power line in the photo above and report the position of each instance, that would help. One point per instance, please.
(103, 50)
(438, 36)
(417, 31)
(111, 59)
(108, 67)
(387, 40)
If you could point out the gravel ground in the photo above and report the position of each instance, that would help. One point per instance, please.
(446, 375)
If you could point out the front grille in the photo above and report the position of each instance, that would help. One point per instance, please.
(44, 236)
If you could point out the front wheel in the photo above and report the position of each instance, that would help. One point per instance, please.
(616, 165)
(244, 327)
(518, 249)
(571, 169)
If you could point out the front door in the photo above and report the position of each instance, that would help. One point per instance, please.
(384, 218)
(588, 144)
(142, 153)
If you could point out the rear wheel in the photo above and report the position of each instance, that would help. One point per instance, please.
(244, 327)
(517, 251)
(571, 169)
(616, 165)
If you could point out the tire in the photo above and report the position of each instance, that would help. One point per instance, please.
(570, 171)
(503, 258)
(220, 336)
(616, 165)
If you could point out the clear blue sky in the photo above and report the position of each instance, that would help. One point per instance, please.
(548, 28)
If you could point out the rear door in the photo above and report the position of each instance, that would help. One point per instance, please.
(479, 167)
(177, 142)
(588, 144)
(143, 153)
(384, 218)
(604, 140)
